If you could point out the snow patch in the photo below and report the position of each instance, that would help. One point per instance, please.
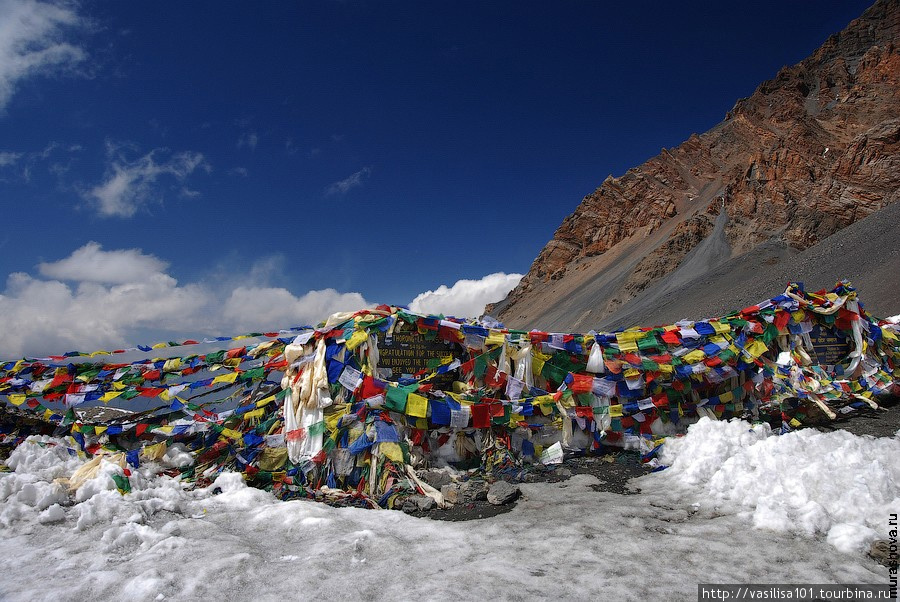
(565, 540)
(805, 482)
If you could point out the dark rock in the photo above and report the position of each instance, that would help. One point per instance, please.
(417, 503)
(436, 478)
(880, 552)
(474, 491)
(451, 493)
(502, 493)
(425, 503)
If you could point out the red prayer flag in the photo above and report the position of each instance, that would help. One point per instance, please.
(671, 337)
(582, 383)
(481, 416)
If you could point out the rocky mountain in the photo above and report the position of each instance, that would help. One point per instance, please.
(812, 151)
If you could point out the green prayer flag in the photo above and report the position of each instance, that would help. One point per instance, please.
(480, 365)
(396, 398)
(316, 429)
(254, 374)
(122, 483)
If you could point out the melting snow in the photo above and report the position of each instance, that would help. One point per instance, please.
(738, 505)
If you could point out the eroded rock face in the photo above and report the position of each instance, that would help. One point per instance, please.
(813, 150)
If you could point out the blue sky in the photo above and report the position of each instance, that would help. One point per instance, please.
(193, 155)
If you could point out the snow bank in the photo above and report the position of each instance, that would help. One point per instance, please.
(163, 541)
(804, 482)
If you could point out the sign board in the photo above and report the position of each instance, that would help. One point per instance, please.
(830, 346)
(409, 352)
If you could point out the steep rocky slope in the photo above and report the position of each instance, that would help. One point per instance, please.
(810, 152)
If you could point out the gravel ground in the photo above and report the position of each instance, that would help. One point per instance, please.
(615, 470)
(883, 422)
(867, 253)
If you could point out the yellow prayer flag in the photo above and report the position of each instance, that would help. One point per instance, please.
(109, 396)
(756, 348)
(16, 399)
(694, 356)
(495, 338)
(331, 420)
(272, 459)
(417, 405)
(265, 401)
(154, 452)
(359, 337)
(252, 414)
(628, 347)
(629, 336)
(543, 400)
(457, 396)
(615, 410)
(720, 327)
(391, 451)
(232, 434)
(226, 378)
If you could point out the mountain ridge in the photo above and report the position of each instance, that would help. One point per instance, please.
(811, 151)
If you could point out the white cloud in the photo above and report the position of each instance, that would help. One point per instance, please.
(248, 139)
(466, 298)
(8, 158)
(129, 185)
(96, 299)
(91, 263)
(21, 164)
(32, 42)
(50, 316)
(352, 181)
(254, 308)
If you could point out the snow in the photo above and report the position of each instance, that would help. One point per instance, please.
(804, 482)
(737, 505)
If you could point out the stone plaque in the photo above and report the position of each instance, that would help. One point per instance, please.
(830, 345)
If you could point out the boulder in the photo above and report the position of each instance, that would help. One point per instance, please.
(502, 493)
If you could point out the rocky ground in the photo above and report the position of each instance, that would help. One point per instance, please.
(475, 500)
(613, 469)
